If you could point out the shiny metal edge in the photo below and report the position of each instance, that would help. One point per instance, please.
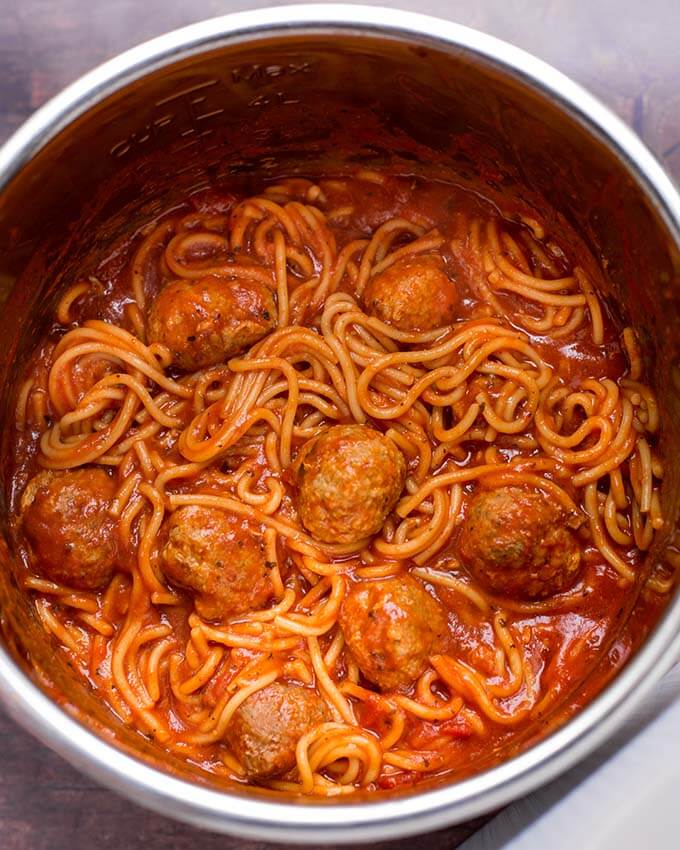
(342, 822)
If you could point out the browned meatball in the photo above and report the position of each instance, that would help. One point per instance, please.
(220, 557)
(206, 321)
(413, 294)
(266, 727)
(391, 627)
(67, 522)
(349, 479)
(515, 542)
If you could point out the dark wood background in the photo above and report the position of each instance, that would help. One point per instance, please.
(625, 51)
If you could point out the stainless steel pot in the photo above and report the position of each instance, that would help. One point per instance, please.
(299, 90)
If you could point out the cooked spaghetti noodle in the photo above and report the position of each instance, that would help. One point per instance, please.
(189, 416)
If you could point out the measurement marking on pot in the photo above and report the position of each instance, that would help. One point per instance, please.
(190, 90)
(206, 101)
(257, 73)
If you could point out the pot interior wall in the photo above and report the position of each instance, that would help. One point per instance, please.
(244, 113)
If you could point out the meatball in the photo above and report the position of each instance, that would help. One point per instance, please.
(66, 520)
(204, 322)
(349, 478)
(413, 294)
(219, 557)
(265, 728)
(515, 542)
(391, 627)
(87, 371)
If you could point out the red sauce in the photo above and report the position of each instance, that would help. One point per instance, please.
(569, 651)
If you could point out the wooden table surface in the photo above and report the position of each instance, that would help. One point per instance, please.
(624, 51)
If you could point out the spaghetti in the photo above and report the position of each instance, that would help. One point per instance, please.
(468, 350)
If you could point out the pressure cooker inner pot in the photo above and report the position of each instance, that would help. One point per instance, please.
(247, 111)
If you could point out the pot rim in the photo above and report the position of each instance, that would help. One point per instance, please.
(314, 823)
